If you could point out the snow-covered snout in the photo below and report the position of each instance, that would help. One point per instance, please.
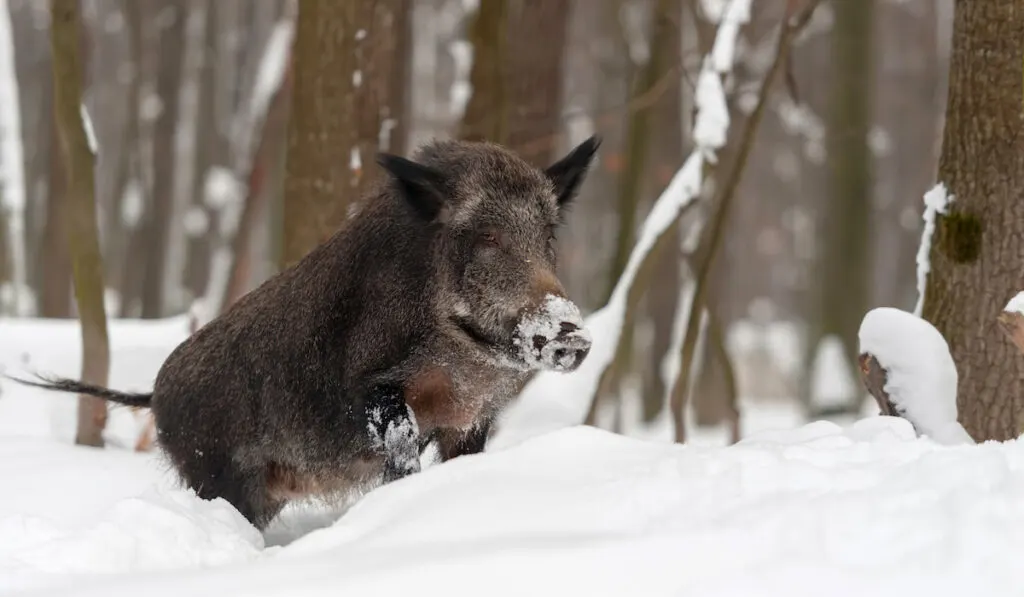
(553, 336)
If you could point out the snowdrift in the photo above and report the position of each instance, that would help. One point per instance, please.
(816, 510)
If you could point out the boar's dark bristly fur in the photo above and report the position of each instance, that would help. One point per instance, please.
(405, 327)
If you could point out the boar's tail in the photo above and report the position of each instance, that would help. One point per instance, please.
(60, 384)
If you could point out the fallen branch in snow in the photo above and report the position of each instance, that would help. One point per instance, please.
(793, 23)
(875, 377)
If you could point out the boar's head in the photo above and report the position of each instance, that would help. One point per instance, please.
(494, 220)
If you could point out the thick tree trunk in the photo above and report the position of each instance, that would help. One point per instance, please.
(516, 81)
(83, 236)
(976, 256)
(343, 92)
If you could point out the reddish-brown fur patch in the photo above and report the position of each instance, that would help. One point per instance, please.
(542, 283)
(285, 483)
(431, 395)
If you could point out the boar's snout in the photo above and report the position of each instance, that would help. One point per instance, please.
(564, 352)
(553, 337)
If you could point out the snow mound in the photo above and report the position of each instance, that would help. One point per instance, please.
(869, 509)
(922, 377)
(159, 530)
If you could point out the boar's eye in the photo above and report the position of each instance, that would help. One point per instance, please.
(489, 237)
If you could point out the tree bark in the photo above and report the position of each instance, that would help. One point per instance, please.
(343, 92)
(83, 236)
(978, 244)
(518, 50)
(54, 258)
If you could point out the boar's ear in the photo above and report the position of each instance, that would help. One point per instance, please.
(422, 186)
(568, 173)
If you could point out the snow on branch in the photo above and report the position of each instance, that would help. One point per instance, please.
(90, 132)
(906, 366)
(606, 324)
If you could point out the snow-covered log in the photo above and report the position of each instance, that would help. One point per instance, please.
(906, 366)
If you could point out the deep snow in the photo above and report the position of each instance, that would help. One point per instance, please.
(819, 509)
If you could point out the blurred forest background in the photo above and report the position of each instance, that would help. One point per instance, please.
(189, 104)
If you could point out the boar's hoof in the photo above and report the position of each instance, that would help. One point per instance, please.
(394, 432)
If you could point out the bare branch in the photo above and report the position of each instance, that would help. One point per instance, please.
(793, 24)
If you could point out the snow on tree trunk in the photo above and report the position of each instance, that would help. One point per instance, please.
(935, 202)
(906, 366)
(12, 187)
(83, 234)
(976, 254)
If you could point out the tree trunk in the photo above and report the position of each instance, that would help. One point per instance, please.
(516, 81)
(171, 36)
(209, 152)
(54, 258)
(345, 54)
(844, 266)
(83, 236)
(131, 264)
(976, 254)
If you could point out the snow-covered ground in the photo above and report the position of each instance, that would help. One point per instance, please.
(551, 508)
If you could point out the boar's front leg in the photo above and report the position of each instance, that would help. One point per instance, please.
(393, 431)
(452, 443)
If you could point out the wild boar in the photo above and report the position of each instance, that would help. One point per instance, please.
(415, 323)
